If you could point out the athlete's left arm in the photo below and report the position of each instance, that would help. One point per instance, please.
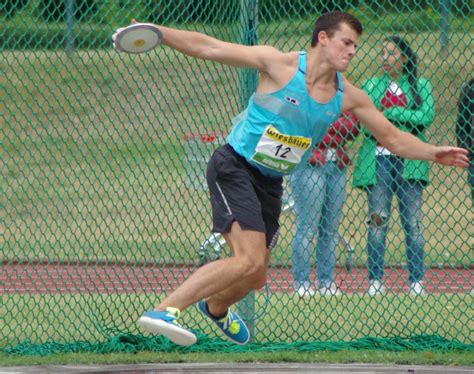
(399, 142)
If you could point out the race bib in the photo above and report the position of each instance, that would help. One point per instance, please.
(279, 151)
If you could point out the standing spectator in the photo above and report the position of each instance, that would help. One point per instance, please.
(464, 127)
(407, 101)
(318, 189)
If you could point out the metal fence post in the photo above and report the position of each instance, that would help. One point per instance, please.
(69, 27)
(444, 26)
(248, 24)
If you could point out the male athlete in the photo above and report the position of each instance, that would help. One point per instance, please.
(298, 96)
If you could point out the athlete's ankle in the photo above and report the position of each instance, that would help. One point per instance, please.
(215, 315)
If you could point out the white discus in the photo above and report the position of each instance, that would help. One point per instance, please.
(137, 38)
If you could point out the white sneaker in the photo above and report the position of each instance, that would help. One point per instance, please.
(332, 290)
(304, 291)
(375, 288)
(416, 289)
(165, 323)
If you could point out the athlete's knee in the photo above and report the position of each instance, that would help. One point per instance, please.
(259, 277)
(257, 280)
(253, 271)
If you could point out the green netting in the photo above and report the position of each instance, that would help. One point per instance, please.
(136, 343)
(104, 208)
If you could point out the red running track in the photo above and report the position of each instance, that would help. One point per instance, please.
(53, 278)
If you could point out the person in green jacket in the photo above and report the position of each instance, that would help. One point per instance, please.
(406, 100)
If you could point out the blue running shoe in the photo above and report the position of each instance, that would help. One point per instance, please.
(231, 324)
(164, 323)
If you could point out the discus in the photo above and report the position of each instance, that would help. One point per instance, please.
(137, 38)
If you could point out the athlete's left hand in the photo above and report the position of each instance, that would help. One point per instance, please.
(452, 156)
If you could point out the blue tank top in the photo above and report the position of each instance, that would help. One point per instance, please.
(277, 130)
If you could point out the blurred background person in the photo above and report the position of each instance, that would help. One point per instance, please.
(318, 189)
(407, 101)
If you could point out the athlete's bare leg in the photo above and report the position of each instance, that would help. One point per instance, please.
(234, 277)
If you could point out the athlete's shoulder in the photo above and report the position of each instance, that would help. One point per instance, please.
(349, 87)
(291, 58)
(276, 58)
(353, 97)
(278, 71)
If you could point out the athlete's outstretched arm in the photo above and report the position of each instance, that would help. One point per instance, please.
(205, 47)
(208, 48)
(399, 142)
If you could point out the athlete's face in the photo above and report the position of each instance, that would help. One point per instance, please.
(341, 46)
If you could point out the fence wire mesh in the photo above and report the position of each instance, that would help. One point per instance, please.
(105, 208)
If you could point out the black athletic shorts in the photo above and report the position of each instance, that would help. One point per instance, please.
(239, 192)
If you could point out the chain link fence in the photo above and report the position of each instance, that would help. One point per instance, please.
(104, 208)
